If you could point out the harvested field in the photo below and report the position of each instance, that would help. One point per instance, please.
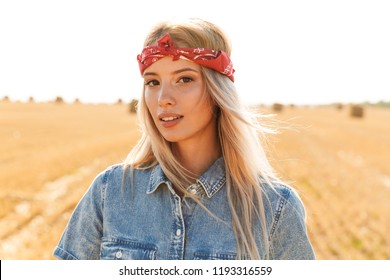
(50, 153)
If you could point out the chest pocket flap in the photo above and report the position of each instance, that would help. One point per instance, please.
(214, 256)
(116, 249)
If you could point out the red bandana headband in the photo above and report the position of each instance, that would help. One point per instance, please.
(216, 60)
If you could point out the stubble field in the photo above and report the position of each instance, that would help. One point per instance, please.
(50, 153)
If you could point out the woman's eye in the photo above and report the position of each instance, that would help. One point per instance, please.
(185, 80)
(152, 83)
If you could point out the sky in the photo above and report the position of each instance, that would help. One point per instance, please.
(288, 51)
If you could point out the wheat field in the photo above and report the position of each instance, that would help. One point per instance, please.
(340, 165)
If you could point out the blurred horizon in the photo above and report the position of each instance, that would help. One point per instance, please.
(61, 99)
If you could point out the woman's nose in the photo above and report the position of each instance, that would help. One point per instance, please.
(166, 97)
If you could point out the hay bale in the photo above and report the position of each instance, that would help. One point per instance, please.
(5, 99)
(59, 100)
(133, 106)
(357, 111)
(339, 106)
(277, 107)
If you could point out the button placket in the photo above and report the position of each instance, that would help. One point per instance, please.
(179, 219)
(176, 250)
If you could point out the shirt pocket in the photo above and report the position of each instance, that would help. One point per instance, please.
(116, 249)
(214, 256)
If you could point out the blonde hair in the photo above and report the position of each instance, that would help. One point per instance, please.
(245, 161)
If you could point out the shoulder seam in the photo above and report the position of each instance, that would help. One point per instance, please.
(106, 174)
(285, 194)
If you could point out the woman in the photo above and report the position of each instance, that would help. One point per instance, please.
(198, 184)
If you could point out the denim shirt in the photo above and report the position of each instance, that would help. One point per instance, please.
(145, 219)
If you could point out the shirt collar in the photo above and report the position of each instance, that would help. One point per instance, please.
(212, 180)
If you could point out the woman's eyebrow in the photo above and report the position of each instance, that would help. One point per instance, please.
(174, 72)
(149, 74)
(184, 70)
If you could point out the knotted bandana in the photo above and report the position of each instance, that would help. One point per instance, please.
(216, 60)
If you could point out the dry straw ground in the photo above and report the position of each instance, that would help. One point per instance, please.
(50, 153)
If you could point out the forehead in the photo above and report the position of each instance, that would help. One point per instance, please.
(168, 65)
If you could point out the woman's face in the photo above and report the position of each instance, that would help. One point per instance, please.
(176, 97)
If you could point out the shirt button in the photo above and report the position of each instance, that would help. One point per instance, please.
(178, 232)
(118, 254)
(194, 191)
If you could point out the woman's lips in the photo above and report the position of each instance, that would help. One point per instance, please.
(169, 119)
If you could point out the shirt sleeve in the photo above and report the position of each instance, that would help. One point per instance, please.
(289, 239)
(82, 236)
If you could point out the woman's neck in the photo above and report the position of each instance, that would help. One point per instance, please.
(197, 157)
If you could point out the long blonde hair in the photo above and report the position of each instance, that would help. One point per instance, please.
(245, 161)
